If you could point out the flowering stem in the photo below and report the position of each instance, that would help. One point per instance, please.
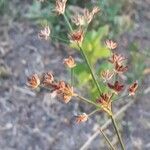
(88, 101)
(107, 140)
(67, 21)
(90, 69)
(117, 131)
(84, 55)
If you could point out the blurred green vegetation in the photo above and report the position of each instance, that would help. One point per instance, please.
(3, 6)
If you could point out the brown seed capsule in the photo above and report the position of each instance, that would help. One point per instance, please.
(133, 88)
(45, 33)
(33, 81)
(81, 118)
(110, 44)
(105, 102)
(77, 36)
(95, 10)
(117, 87)
(60, 6)
(69, 62)
(116, 58)
(64, 91)
(107, 75)
(120, 68)
(86, 17)
(48, 78)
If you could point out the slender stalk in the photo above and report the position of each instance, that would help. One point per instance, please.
(58, 38)
(88, 101)
(117, 131)
(107, 140)
(72, 76)
(93, 112)
(90, 69)
(67, 21)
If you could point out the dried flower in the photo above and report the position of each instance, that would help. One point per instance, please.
(95, 10)
(110, 44)
(120, 68)
(64, 91)
(45, 33)
(78, 20)
(86, 17)
(33, 81)
(60, 6)
(116, 58)
(81, 118)
(106, 75)
(105, 102)
(48, 78)
(117, 87)
(77, 36)
(132, 89)
(70, 62)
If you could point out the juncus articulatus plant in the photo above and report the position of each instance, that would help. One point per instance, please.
(111, 78)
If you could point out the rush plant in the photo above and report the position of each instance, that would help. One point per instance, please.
(112, 80)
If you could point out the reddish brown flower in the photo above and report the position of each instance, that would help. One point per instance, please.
(106, 75)
(45, 33)
(64, 91)
(116, 58)
(69, 62)
(60, 6)
(81, 118)
(117, 87)
(111, 44)
(133, 88)
(77, 36)
(105, 102)
(48, 78)
(33, 81)
(120, 68)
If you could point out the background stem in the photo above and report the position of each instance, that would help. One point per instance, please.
(107, 140)
(117, 131)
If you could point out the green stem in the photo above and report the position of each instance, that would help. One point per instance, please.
(67, 21)
(72, 76)
(107, 140)
(58, 38)
(88, 101)
(117, 131)
(93, 112)
(90, 69)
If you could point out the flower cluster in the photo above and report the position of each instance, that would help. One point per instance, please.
(118, 62)
(61, 88)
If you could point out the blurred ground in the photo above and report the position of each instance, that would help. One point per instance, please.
(32, 120)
